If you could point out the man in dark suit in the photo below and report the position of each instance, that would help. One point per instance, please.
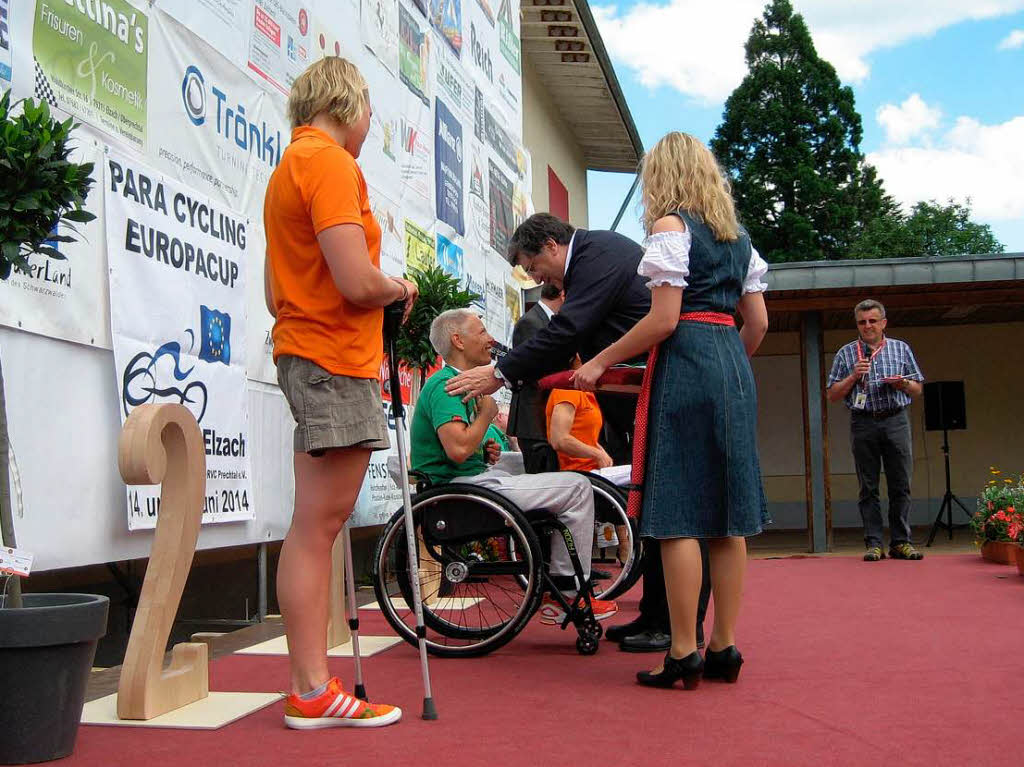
(526, 414)
(604, 298)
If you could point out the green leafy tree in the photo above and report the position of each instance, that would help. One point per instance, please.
(790, 143)
(931, 229)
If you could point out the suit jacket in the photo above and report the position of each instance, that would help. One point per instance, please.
(604, 298)
(526, 418)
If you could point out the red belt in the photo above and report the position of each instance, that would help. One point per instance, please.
(640, 424)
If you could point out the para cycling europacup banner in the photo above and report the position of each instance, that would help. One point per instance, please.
(177, 316)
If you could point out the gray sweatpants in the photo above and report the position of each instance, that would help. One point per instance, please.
(566, 495)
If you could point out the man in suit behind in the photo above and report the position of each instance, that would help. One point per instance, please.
(604, 298)
(526, 414)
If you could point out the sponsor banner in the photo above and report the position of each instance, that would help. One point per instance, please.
(448, 168)
(91, 60)
(491, 70)
(379, 497)
(513, 304)
(450, 258)
(382, 151)
(279, 42)
(224, 24)
(414, 165)
(488, 129)
(392, 233)
(474, 276)
(500, 207)
(66, 298)
(508, 33)
(452, 83)
(178, 321)
(380, 31)
(494, 307)
(5, 44)
(419, 247)
(215, 129)
(446, 18)
(414, 54)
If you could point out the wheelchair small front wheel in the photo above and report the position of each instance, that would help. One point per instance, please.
(587, 644)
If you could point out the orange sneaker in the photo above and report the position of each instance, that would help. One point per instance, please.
(336, 708)
(552, 613)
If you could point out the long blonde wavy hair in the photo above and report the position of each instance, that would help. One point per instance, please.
(680, 173)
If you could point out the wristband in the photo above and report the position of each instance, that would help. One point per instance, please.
(405, 291)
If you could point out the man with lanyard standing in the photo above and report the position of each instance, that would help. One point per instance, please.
(877, 377)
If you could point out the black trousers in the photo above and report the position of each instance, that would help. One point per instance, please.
(619, 415)
(877, 444)
(654, 602)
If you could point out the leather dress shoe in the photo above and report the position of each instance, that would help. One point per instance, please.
(623, 630)
(649, 640)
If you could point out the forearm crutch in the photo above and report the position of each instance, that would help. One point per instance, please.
(392, 323)
(353, 612)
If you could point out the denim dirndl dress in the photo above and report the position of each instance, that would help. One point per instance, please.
(703, 475)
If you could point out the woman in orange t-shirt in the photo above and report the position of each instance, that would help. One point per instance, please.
(326, 292)
(574, 423)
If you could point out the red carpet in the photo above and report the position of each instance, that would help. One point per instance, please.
(848, 663)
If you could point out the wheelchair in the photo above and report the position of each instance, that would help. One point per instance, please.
(483, 567)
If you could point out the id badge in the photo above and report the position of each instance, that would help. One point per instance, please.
(860, 400)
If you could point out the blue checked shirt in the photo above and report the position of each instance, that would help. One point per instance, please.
(895, 359)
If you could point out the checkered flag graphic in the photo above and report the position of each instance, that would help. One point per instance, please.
(43, 90)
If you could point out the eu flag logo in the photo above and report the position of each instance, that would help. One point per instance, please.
(216, 330)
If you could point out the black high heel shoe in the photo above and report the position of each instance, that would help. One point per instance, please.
(688, 669)
(723, 664)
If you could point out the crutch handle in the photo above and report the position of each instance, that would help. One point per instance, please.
(393, 313)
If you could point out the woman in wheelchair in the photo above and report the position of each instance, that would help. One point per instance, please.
(447, 446)
(480, 531)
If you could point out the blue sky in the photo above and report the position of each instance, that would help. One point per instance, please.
(939, 85)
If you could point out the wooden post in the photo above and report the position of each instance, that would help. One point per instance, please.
(162, 444)
(816, 464)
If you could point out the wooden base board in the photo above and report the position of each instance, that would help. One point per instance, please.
(210, 713)
(368, 645)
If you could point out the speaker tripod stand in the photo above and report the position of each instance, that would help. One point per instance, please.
(947, 501)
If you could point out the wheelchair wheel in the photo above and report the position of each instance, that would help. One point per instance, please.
(622, 560)
(479, 570)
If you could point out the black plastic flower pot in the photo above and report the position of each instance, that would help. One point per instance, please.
(46, 653)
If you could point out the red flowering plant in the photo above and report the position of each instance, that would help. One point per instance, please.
(1000, 514)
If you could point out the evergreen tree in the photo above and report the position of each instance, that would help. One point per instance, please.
(790, 143)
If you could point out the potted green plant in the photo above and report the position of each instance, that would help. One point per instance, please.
(998, 523)
(438, 292)
(47, 641)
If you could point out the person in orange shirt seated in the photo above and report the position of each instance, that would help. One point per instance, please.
(574, 423)
(324, 287)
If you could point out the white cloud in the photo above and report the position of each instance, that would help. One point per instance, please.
(910, 119)
(696, 47)
(982, 162)
(1013, 40)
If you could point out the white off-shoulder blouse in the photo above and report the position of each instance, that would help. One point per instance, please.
(666, 261)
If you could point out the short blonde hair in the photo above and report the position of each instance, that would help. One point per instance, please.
(680, 173)
(332, 85)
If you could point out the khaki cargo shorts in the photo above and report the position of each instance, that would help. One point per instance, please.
(332, 411)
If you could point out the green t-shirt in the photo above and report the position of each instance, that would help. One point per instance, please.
(434, 408)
